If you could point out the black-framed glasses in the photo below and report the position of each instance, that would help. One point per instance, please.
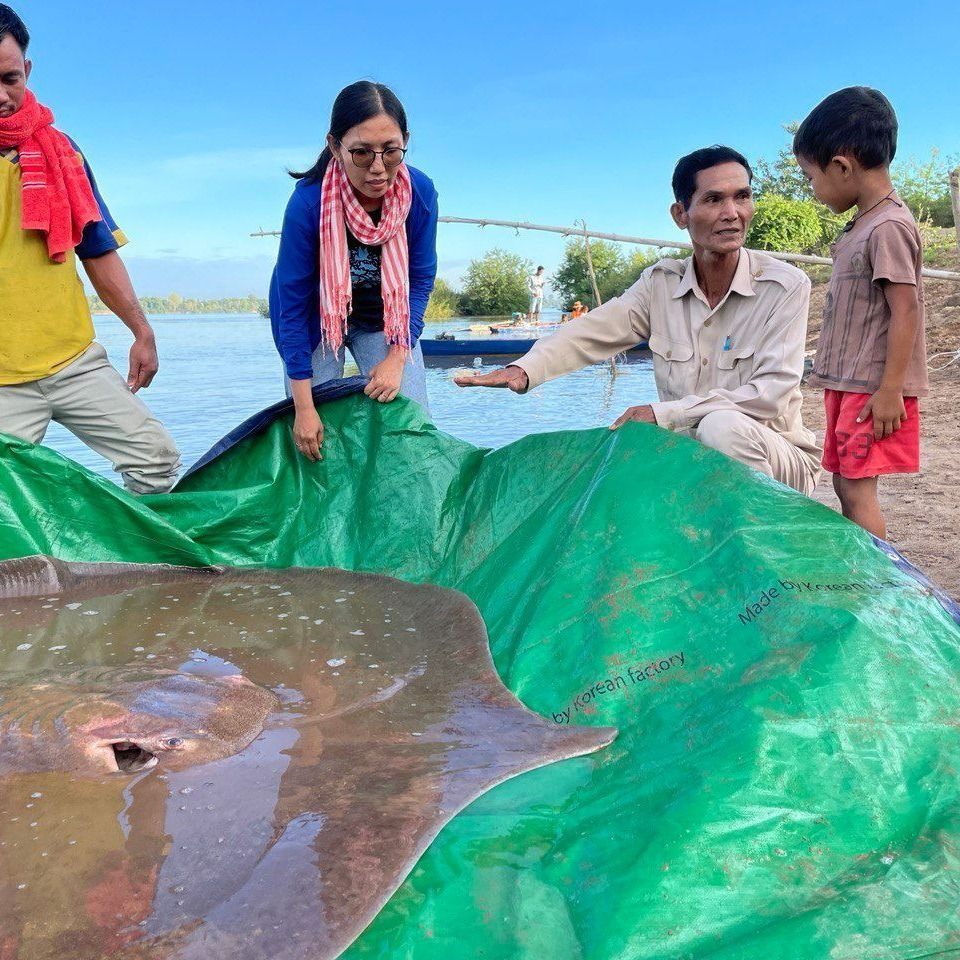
(363, 156)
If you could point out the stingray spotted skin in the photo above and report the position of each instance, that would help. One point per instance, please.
(390, 719)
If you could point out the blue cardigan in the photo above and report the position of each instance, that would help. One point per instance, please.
(295, 287)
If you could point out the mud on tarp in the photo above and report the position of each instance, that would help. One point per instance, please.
(784, 784)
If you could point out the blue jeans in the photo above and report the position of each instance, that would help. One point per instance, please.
(368, 349)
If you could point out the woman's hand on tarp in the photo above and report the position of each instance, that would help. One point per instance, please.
(513, 378)
(641, 414)
(307, 425)
(385, 377)
(308, 433)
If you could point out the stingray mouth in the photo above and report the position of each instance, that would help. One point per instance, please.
(132, 758)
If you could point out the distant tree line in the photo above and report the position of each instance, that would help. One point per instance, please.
(175, 303)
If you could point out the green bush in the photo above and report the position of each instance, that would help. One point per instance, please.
(633, 266)
(496, 285)
(572, 277)
(939, 246)
(444, 302)
(923, 184)
(615, 269)
(780, 223)
(925, 187)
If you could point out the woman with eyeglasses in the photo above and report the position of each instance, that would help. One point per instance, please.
(357, 261)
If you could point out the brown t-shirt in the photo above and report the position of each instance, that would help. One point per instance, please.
(852, 352)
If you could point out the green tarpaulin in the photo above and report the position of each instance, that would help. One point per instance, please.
(785, 783)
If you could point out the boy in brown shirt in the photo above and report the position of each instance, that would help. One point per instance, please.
(871, 358)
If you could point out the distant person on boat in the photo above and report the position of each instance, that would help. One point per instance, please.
(578, 310)
(535, 283)
(51, 368)
(357, 261)
(726, 327)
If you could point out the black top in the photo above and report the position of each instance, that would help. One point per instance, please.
(367, 303)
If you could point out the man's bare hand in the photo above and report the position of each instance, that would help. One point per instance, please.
(514, 378)
(641, 414)
(144, 362)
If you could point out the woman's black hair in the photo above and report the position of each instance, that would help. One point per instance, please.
(355, 104)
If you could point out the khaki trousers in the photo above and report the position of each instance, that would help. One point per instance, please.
(756, 445)
(92, 400)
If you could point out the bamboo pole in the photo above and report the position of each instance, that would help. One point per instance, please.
(645, 241)
(593, 283)
(955, 197)
(593, 276)
(668, 244)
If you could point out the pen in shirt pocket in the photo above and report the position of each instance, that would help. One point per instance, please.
(727, 344)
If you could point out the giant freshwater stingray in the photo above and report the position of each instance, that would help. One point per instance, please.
(236, 763)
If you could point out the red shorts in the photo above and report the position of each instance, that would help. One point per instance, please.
(850, 449)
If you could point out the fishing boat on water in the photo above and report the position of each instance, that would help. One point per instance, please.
(450, 346)
(527, 328)
(518, 323)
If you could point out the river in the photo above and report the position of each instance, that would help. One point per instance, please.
(216, 370)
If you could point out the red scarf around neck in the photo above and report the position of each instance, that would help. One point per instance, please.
(339, 209)
(56, 194)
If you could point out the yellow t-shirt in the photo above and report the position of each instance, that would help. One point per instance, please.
(45, 320)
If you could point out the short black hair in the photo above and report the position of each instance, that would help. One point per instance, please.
(540, 267)
(11, 24)
(687, 168)
(857, 122)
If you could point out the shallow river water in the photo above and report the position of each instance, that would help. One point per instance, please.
(215, 371)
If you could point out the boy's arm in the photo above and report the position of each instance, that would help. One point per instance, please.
(886, 404)
(894, 252)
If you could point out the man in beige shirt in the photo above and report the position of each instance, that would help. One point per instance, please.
(726, 328)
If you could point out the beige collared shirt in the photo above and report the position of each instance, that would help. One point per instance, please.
(745, 354)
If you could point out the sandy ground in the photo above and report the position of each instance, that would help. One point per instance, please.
(923, 510)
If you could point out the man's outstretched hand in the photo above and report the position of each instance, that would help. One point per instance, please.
(514, 378)
(641, 414)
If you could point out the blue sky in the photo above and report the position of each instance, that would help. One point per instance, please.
(190, 111)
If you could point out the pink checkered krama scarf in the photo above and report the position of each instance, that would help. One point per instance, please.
(340, 209)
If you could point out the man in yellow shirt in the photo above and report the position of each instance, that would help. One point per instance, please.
(51, 368)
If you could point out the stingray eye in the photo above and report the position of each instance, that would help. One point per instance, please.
(173, 742)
